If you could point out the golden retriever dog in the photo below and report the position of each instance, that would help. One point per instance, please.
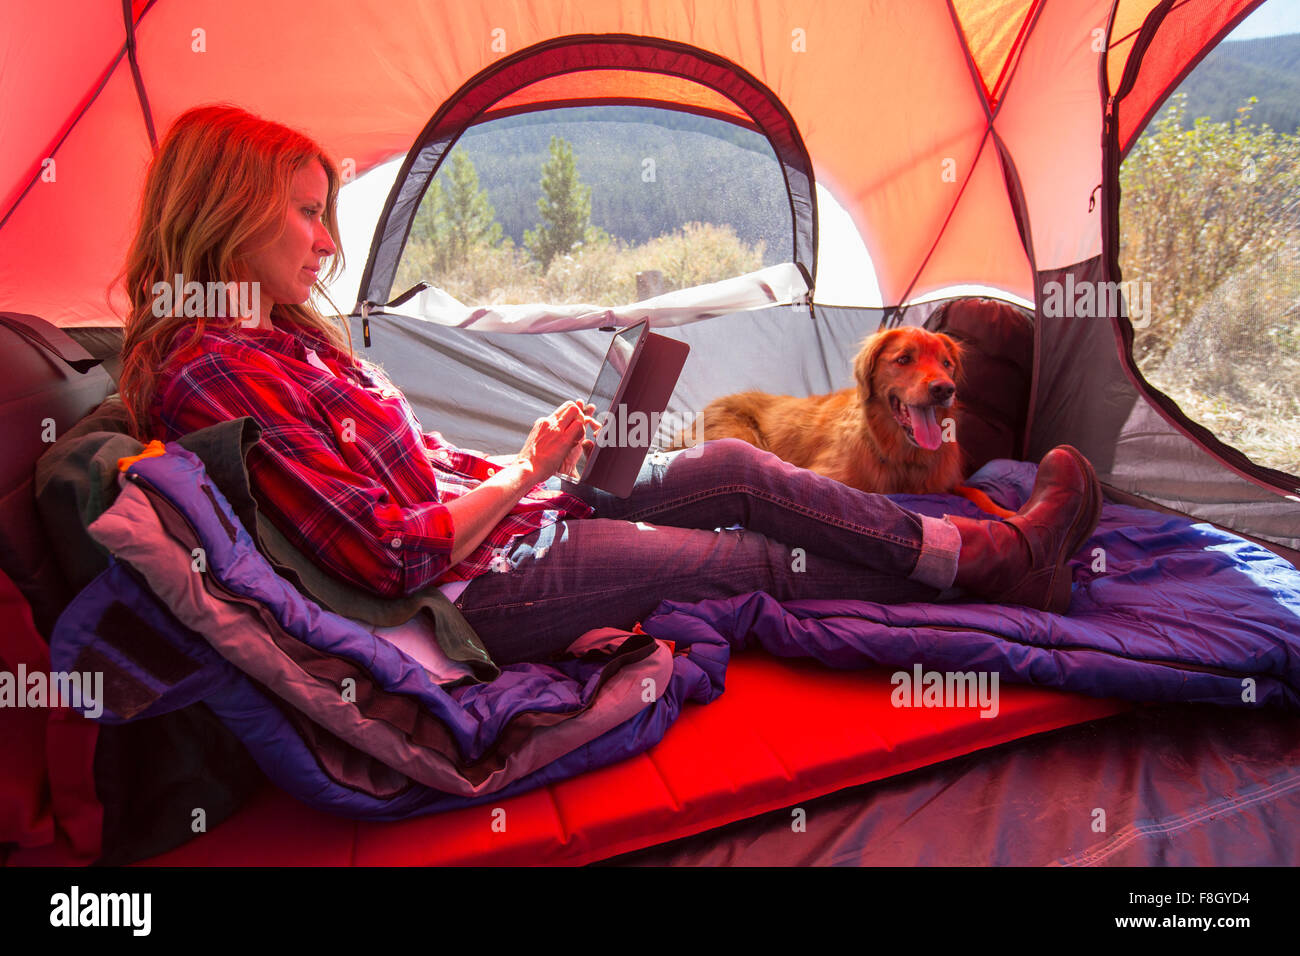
(894, 433)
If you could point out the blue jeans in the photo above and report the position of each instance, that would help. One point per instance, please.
(803, 536)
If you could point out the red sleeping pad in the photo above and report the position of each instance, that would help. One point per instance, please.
(784, 731)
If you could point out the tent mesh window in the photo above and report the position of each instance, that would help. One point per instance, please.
(590, 70)
(601, 204)
(1210, 249)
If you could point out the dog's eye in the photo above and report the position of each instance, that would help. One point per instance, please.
(947, 364)
(903, 359)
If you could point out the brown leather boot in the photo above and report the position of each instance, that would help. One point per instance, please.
(1023, 560)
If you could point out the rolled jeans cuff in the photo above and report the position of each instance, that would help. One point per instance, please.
(940, 544)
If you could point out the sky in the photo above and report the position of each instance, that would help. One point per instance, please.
(1272, 19)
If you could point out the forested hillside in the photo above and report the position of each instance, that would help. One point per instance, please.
(1267, 68)
(573, 205)
(646, 178)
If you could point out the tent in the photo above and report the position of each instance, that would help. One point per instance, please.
(1024, 208)
(973, 143)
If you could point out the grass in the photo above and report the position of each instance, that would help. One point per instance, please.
(1235, 365)
(600, 272)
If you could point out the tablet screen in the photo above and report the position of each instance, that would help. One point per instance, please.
(611, 373)
(617, 359)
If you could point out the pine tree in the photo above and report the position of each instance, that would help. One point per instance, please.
(470, 217)
(458, 219)
(565, 207)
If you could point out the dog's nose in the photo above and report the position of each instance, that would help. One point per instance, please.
(942, 391)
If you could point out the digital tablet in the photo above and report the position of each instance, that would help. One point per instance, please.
(631, 391)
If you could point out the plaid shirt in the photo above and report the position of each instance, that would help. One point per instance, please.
(343, 469)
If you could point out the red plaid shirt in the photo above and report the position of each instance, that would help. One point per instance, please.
(343, 469)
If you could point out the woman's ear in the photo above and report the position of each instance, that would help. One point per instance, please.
(864, 366)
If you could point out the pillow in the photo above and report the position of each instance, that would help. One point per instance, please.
(997, 369)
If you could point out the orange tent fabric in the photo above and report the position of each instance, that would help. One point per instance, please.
(917, 115)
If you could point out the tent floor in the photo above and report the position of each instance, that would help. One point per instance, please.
(1181, 785)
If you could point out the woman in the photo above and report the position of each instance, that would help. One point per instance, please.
(533, 560)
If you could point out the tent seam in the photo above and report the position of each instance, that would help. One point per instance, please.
(893, 315)
(103, 82)
(1008, 70)
(138, 79)
(1020, 209)
(899, 309)
(107, 75)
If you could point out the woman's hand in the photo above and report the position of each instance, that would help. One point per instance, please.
(554, 444)
(556, 441)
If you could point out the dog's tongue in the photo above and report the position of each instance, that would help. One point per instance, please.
(925, 428)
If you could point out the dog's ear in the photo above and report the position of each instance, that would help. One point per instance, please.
(864, 366)
(956, 351)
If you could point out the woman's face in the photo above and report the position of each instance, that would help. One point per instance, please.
(285, 266)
